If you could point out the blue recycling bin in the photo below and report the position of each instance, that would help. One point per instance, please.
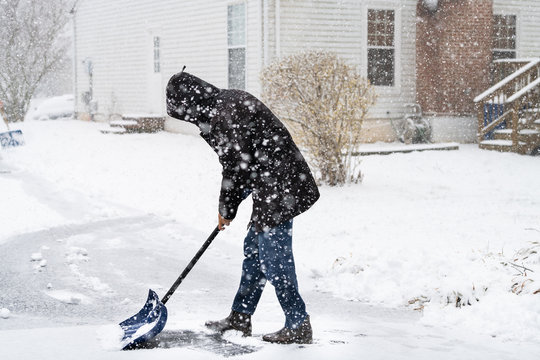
(11, 138)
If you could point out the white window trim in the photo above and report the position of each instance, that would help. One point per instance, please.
(245, 46)
(517, 14)
(396, 88)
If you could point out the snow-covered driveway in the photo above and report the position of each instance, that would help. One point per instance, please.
(91, 221)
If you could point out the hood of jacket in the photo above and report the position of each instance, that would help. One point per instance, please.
(191, 99)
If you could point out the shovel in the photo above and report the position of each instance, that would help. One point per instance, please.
(151, 319)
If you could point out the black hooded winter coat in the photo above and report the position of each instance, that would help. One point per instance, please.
(255, 149)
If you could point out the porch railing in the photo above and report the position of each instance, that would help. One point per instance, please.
(511, 103)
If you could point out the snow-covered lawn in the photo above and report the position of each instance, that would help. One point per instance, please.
(90, 221)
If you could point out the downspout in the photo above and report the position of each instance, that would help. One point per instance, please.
(73, 13)
(265, 33)
(278, 31)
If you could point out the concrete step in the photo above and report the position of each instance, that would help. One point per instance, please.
(123, 123)
(113, 130)
(148, 123)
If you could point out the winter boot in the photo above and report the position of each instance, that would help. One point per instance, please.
(235, 321)
(301, 335)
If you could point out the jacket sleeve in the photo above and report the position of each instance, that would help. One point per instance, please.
(234, 156)
(230, 197)
(231, 191)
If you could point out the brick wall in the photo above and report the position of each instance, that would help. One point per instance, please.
(453, 55)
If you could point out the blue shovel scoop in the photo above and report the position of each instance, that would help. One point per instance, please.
(151, 319)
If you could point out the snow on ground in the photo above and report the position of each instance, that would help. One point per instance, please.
(91, 221)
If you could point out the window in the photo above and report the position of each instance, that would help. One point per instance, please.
(236, 37)
(381, 47)
(504, 37)
(157, 60)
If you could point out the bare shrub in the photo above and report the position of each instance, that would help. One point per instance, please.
(323, 101)
(526, 262)
(31, 47)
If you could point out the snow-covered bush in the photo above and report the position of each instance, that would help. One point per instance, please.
(324, 102)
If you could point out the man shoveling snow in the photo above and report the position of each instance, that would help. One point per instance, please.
(260, 158)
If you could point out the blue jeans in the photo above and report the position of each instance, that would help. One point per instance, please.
(268, 256)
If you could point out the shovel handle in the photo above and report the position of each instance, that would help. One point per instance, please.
(190, 265)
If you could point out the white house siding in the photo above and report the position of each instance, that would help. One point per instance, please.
(117, 36)
(268, 33)
(341, 26)
(254, 56)
(528, 24)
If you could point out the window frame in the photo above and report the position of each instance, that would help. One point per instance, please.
(500, 50)
(388, 5)
(390, 48)
(244, 46)
(156, 53)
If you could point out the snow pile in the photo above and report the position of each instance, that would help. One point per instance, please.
(4, 313)
(110, 337)
(500, 314)
(68, 297)
(77, 254)
(486, 292)
(54, 108)
(38, 261)
(91, 282)
(402, 276)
